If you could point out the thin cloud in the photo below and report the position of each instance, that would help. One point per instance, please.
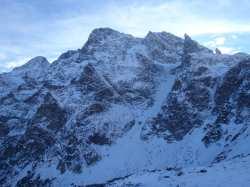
(176, 17)
(216, 42)
(228, 50)
(33, 28)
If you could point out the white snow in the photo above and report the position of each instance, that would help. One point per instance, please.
(234, 173)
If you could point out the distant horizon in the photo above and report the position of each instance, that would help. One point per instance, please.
(42, 28)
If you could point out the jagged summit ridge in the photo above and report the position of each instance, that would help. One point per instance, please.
(103, 35)
(100, 35)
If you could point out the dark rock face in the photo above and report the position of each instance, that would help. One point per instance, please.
(35, 141)
(99, 139)
(191, 47)
(192, 94)
(50, 112)
(91, 157)
(96, 185)
(229, 99)
(19, 151)
(73, 153)
(213, 135)
(230, 84)
(104, 94)
(176, 118)
(198, 95)
(162, 45)
(67, 55)
(29, 147)
(94, 108)
(89, 79)
(99, 35)
(217, 51)
(30, 180)
(4, 130)
(232, 92)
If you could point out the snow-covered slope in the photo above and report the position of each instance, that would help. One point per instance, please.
(229, 173)
(126, 108)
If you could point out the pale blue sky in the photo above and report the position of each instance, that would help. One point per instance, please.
(31, 28)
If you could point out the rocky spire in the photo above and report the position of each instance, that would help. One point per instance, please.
(191, 46)
(217, 51)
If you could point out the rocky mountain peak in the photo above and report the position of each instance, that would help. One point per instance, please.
(35, 68)
(217, 51)
(77, 121)
(101, 35)
(38, 60)
(104, 32)
(35, 63)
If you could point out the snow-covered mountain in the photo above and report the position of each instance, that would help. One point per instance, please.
(126, 111)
